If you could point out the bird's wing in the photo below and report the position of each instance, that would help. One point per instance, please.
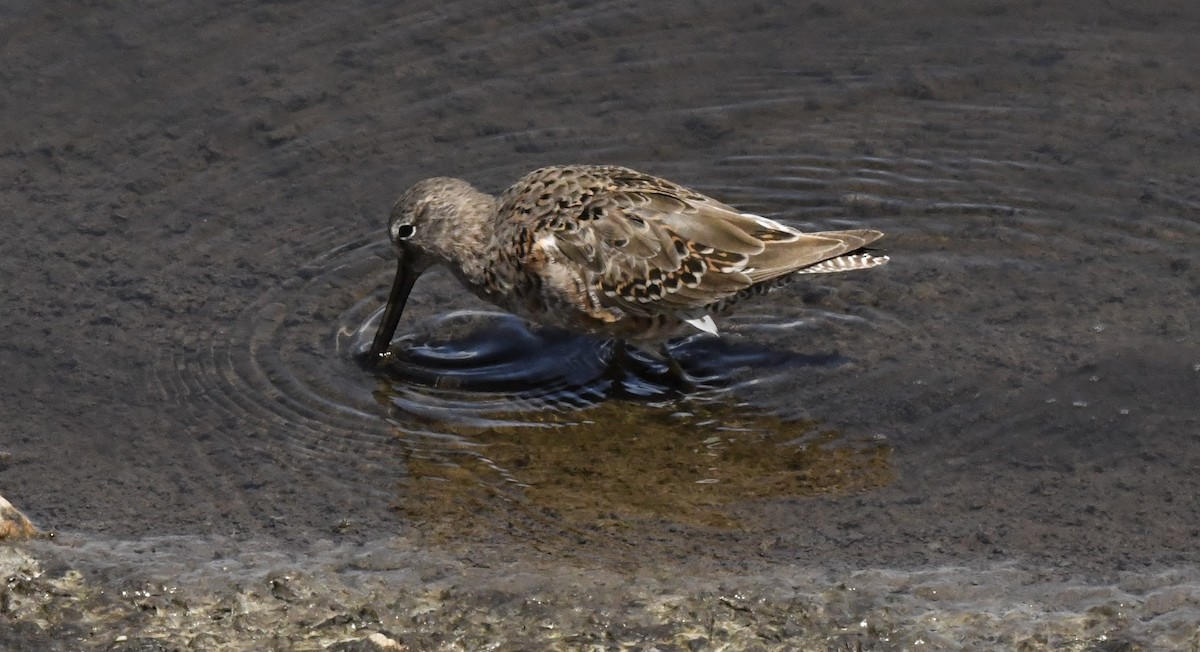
(649, 246)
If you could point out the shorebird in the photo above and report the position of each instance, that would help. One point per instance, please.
(603, 250)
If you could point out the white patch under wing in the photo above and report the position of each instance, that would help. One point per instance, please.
(704, 323)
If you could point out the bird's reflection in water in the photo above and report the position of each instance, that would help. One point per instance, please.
(498, 418)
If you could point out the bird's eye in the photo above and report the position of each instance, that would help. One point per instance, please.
(405, 231)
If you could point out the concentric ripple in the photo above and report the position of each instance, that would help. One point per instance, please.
(276, 386)
(472, 364)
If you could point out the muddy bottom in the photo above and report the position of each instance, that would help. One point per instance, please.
(988, 443)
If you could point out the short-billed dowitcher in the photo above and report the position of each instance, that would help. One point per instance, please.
(603, 250)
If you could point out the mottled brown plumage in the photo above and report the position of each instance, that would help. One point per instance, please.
(603, 250)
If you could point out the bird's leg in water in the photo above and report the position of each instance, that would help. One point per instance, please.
(676, 374)
(620, 362)
(623, 362)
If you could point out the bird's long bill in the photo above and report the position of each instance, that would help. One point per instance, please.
(406, 276)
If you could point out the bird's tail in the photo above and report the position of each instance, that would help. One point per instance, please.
(847, 263)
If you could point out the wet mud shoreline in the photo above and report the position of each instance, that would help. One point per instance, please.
(366, 601)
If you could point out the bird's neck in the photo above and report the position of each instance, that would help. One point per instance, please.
(466, 242)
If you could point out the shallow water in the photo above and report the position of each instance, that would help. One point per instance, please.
(196, 256)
